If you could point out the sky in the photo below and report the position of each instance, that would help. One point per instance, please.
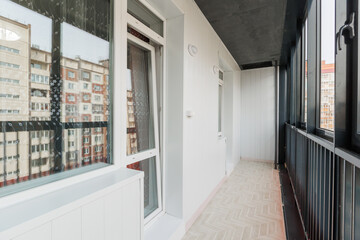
(74, 41)
(328, 31)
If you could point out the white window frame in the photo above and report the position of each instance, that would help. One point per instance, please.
(154, 152)
(161, 41)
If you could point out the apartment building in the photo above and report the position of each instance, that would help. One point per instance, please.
(15, 98)
(14, 72)
(327, 95)
(25, 96)
(40, 62)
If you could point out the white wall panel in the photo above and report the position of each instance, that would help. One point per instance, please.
(113, 211)
(93, 220)
(232, 118)
(204, 154)
(67, 226)
(40, 233)
(258, 114)
(131, 212)
(113, 205)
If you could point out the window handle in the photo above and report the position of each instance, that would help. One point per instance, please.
(349, 25)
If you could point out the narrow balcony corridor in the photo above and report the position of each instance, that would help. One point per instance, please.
(247, 206)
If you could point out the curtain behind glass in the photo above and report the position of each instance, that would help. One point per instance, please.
(139, 89)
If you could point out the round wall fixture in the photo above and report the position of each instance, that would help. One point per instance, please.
(192, 50)
(216, 70)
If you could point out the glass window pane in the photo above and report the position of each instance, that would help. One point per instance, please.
(144, 15)
(148, 166)
(140, 125)
(42, 117)
(327, 83)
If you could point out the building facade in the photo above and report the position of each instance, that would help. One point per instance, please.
(25, 92)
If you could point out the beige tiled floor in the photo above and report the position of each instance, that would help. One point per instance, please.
(247, 206)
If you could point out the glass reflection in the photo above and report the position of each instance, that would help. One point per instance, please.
(140, 126)
(54, 86)
(327, 84)
(148, 166)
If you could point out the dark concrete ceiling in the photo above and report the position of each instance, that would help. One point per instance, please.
(254, 31)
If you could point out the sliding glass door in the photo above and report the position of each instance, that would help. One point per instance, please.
(142, 121)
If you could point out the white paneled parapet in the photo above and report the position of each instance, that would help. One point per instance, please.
(104, 207)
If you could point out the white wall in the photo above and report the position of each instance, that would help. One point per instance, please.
(232, 118)
(204, 153)
(174, 118)
(258, 114)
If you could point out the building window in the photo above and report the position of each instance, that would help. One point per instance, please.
(48, 142)
(9, 65)
(97, 88)
(39, 106)
(36, 78)
(86, 75)
(71, 86)
(98, 148)
(327, 79)
(86, 97)
(10, 96)
(71, 98)
(9, 111)
(86, 151)
(38, 93)
(71, 74)
(39, 162)
(9, 49)
(71, 144)
(36, 65)
(98, 138)
(9, 80)
(97, 78)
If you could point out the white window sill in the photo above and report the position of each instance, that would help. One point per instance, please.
(20, 192)
(46, 203)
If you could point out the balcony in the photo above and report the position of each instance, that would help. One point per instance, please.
(179, 119)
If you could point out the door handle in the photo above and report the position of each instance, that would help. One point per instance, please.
(349, 25)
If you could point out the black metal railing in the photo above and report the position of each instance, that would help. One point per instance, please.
(326, 185)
